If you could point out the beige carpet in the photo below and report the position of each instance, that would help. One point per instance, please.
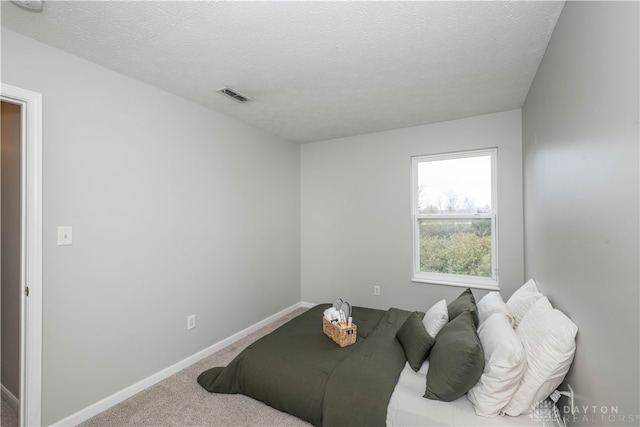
(8, 417)
(180, 401)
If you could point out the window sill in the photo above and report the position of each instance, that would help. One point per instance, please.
(473, 283)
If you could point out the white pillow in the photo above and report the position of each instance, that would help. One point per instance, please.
(504, 365)
(492, 303)
(522, 299)
(549, 339)
(436, 317)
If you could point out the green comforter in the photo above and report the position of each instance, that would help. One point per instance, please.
(299, 370)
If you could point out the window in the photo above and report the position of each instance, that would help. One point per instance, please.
(454, 219)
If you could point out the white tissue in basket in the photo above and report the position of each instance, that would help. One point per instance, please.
(331, 314)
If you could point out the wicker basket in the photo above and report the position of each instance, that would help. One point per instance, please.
(342, 337)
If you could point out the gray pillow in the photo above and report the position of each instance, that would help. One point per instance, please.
(416, 341)
(465, 301)
(456, 361)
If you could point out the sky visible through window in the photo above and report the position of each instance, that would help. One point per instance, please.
(464, 183)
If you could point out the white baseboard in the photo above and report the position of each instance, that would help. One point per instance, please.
(136, 388)
(13, 401)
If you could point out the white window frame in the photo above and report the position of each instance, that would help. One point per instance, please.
(489, 283)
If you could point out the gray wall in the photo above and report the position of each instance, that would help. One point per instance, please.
(356, 210)
(580, 148)
(176, 210)
(10, 248)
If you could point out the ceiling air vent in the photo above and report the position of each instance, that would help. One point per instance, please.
(234, 94)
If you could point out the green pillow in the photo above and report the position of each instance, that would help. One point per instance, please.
(465, 301)
(415, 341)
(456, 361)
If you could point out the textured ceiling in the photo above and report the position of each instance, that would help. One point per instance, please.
(316, 70)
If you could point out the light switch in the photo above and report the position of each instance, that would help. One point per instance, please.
(65, 235)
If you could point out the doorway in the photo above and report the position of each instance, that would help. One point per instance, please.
(24, 242)
(10, 263)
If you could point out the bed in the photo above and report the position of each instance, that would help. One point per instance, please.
(299, 370)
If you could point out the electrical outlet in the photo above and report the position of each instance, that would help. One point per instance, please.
(191, 321)
(376, 290)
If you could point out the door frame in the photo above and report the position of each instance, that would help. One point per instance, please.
(31, 251)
